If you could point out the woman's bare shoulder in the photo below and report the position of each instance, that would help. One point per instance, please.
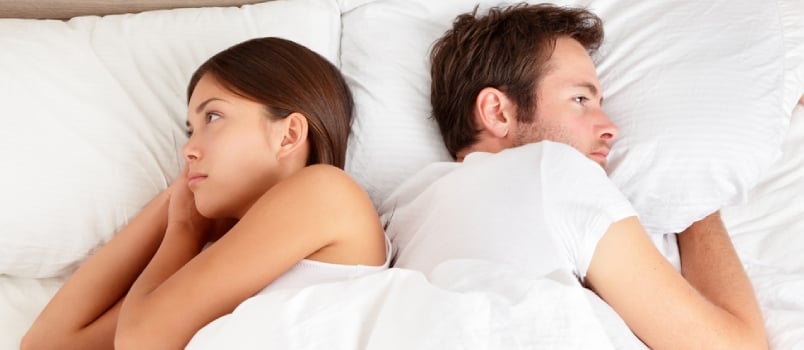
(325, 208)
(325, 193)
(326, 180)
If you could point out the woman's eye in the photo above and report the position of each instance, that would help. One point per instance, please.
(211, 117)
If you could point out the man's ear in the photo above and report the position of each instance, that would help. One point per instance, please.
(494, 112)
(294, 134)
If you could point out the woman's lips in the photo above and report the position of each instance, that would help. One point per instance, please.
(195, 178)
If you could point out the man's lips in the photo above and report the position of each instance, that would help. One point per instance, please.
(601, 155)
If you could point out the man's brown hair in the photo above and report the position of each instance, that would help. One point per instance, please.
(506, 49)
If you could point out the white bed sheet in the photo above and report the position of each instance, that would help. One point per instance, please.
(768, 233)
(400, 309)
(21, 300)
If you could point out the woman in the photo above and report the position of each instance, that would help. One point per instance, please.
(269, 121)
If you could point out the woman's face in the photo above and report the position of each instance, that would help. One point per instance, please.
(231, 153)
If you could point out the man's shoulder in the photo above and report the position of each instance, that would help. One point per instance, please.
(416, 184)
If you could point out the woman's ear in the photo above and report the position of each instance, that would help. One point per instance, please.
(294, 135)
(494, 112)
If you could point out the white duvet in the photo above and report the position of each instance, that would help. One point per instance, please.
(463, 304)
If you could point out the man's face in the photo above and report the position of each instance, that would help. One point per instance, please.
(568, 102)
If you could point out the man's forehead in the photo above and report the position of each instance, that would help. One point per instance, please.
(572, 75)
(568, 78)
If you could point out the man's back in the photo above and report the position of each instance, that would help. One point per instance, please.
(539, 207)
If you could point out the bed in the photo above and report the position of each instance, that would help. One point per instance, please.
(708, 97)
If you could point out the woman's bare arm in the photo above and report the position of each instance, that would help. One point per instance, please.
(303, 216)
(83, 313)
(661, 307)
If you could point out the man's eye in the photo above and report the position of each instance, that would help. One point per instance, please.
(581, 99)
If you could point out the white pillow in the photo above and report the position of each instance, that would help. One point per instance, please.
(792, 17)
(93, 116)
(695, 87)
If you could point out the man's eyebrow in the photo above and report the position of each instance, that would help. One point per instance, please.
(589, 86)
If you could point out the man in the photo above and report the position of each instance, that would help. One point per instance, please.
(512, 91)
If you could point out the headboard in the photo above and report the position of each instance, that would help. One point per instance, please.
(63, 9)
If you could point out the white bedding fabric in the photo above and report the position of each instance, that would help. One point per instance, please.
(768, 233)
(462, 304)
(21, 300)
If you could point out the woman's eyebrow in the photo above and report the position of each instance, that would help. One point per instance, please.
(201, 108)
(204, 104)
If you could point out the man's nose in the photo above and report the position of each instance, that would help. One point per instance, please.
(608, 130)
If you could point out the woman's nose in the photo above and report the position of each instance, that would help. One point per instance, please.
(190, 151)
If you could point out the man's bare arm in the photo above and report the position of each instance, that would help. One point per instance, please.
(666, 311)
(711, 265)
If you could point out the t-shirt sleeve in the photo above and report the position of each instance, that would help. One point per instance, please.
(581, 203)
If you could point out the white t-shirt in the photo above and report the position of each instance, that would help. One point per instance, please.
(539, 207)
